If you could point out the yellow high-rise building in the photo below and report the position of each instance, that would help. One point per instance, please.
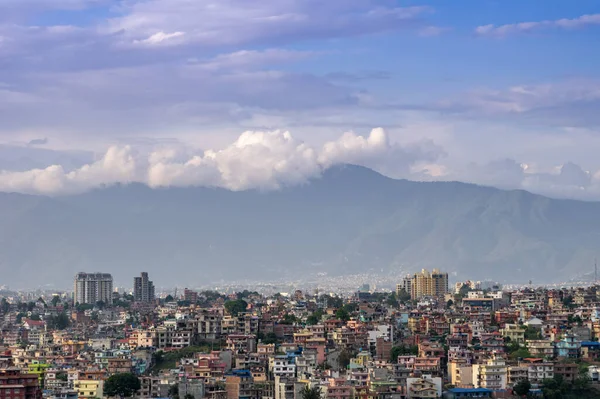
(426, 284)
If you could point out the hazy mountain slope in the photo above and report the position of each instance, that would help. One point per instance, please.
(350, 220)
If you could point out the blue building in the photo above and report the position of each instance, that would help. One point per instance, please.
(569, 348)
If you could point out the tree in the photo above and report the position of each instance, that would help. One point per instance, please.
(311, 393)
(174, 391)
(392, 300)
(551, 388)
(58, 322)
(342, 314)
(236, 307)
(123, 385)
(169, 298)
(402, 350)
(332, 301)
(314, 318)
(4, 305)
(289, 319)
(449, 304)
(532, 333)
(344, 358)
(522, 387)
(55, 300)
(188, 396)
(403, 296)
(270, 338)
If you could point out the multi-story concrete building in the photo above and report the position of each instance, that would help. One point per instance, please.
(15, 384)
(93, 287)
(426, 284)
(491, 375)
(143, 288)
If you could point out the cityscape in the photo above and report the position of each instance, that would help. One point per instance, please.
(427, 338)
(299, 199)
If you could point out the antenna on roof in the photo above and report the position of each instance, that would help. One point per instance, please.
(595, 272)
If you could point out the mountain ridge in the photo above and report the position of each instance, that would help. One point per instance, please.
(350, 220)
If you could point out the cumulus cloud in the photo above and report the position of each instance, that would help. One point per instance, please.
(116, 166)
(527, 27)
(256, 160)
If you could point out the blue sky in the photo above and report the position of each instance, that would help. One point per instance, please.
(503, 93)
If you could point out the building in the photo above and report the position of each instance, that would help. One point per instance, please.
(93, 287)
(89, 389)
(491, 375)
(405, 285)
(191, 296)
(143, 289)
(426, 284)
(14, 384)
(424, 387)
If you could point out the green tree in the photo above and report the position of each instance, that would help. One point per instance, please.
(522, 387)
(174, 391)
(58, 322)
(551, 389)
(332, 301)
(532, 333)
(169, 298)
(342, 314)
(188, 396)
(344, 358)
(270, 338)
(403, 350)
(123, 385)
(236, 307)
(55, 300)
(314, 318)
(392, 300)
(403, 296)
(449, 304)
(311, 393)
(289, 319)
(4, 305)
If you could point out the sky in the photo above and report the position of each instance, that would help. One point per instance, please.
(263, 94)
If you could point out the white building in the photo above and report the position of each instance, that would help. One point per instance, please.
(93, 287)
(491, 375)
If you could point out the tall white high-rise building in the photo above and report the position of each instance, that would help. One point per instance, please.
(93, 287)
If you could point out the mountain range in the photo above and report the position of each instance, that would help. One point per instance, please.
(350, 220)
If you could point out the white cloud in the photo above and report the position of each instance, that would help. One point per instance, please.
(160, 38)
(256, 160)
(245, 59)
(238, 22)
(527, 27)
(567, 103)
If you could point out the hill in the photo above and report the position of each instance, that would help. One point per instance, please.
(350, 220)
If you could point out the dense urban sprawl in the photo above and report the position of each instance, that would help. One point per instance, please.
(425, 340)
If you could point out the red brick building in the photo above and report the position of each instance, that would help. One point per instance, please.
(16, 385)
